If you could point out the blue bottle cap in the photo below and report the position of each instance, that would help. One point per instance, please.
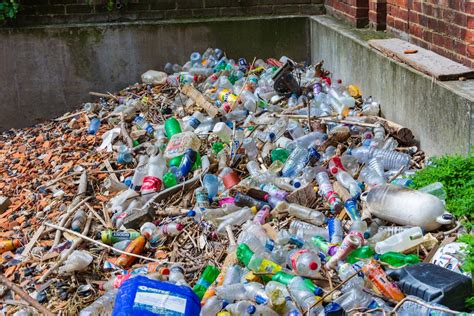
(251, 309)
(333, 309)
(191, 213)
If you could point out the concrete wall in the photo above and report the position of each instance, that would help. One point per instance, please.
(46, 71)
(439, 113)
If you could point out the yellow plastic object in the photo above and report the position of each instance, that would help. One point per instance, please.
(354, 91)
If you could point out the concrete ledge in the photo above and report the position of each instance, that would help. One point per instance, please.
(46, 71)
(439, 113)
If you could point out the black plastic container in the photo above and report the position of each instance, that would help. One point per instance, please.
(433, 283)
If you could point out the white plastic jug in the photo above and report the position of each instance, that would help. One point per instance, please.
(404, 206)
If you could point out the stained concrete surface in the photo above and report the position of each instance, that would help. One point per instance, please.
(439, 113)
(46, 71)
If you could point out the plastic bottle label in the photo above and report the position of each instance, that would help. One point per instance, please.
(269, 266)
(151, 183)
(119, 279)
(159, 302)
(193, 122)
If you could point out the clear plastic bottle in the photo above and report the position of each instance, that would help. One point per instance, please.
(142, 123)
(393, 230)
(304, 262)
(346, 162)
(233, 275)
(354, 298)
(305, 231)
(346, 180)
(101, 306)
(140, 173)
(391, 160)
(410, 308)
(153, 180)
(303, 297)
(256, 292)
(194, 121)
(242, 308)
(295, 163)
(250, 148)
(435, 189)
(307, 214)
(326, 190)
(401, 241)
(176, 275)
(277, 129)
(346, 270)
(237, 218)
(315, 138)
(212, 306)
(77, 261)
(231, 292)
(371, 177)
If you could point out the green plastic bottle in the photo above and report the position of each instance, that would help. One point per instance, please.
(198, 163)
(217, 147)
(207, 278)
(285, 278)
(176, 161)
(255, 262)
(363, 252)
(279, 154)
(169, 180)
(397, 259)
(172, 127)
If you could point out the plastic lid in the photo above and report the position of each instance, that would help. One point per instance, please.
(296, 184)
(251, 309)
(334, 170)
(272, 136)
(165, 271)
(179, 226)
(191, 213)
(313, 265)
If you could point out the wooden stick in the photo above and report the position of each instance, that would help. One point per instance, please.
(68, 252)
(25, 296)
(101, 220)
(201, 101)
(101, 244)
(103, 95)
(32, 242)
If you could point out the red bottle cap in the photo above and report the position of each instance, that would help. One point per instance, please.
(231, 179)
(313, 265)
(179, 226)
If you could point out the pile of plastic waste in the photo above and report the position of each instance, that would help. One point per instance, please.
(224, 187)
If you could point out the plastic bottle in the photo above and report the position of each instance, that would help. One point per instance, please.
(404, 206)
(187, 161)
(93, 126)
(77, 261)
(346, 162)
(79, 221)
(241, 308)
(307, 214)
(378, 278)
(277, 129)
(250, 148)
(326, 190)
(208, 276)
(136, 246)
(297, 160)
(409, 308)
(176, 275)
(304, 262)
(318, 243)
(254, 261)
(346, 180)
(223, 132)
(8, 245)
(353, 298)
(371, 177)
(401, 241)
(140, 172)
(391, 160)
(262, 215)
(124, 155)
(346, 270)
(142, 123)
(336, 233)
(315, 138)
(256, 292)
(305, 230)
(237, 218)
(211, 183)
(396, 259)
(212, 306)
(364, 252)
(393, 230)
(303, 297)
(351, 241)
(435, 189)
(101, 306)
(352, 211)
(112, 237)
(153, 180)
(232, 292)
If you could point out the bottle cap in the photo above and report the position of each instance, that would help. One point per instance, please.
(191, 213)
(251, 309)
(179, 227)
(313, 265)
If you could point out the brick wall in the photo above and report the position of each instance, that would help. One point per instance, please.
(38, 12)
(356, 12)
(444, 26)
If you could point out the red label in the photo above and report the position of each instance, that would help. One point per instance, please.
(151, 183)
(119, 279)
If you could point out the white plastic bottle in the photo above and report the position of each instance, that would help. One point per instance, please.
(212, 306)
(237, 218)
(223, 132)
(348, 182)
(232, 292)
(242, 308)
(153, 180)
(77, 261)
(401, 241)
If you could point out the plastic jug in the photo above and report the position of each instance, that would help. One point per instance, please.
(143, 296)
(404, 206)
(434, 284)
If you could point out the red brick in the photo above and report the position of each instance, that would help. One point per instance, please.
(414, 17)
(427, 35)
(455, 4)
(460, 48)
(470, 22)
(427, 9)
(390, 21)
(416, 5)
(416, 30)
(438, 39)
(469, 36)
(401, 25)
(469, 7)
